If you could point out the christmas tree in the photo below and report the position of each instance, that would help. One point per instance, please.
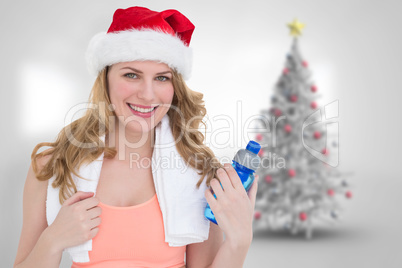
(299, 180)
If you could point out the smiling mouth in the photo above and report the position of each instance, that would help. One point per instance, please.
(140, 109)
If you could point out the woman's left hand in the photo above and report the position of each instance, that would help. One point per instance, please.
(233, 207)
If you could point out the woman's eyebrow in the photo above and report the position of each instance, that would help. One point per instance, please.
(166, 72)
(140, 72)
(132, 69)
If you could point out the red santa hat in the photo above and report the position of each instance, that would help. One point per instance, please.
(138, 33)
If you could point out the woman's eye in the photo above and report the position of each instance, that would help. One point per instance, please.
(131, 75)
(162, 78)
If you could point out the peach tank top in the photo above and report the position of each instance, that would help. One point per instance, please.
(132, 237)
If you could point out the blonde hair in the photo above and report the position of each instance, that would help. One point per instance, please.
(65, 157)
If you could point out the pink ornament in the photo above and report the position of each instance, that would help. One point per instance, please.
(305, 64)
(277, 112)
(285, 71)
(317, 135)
(258, 137)
(261, 152)
(268, 179)
(292, 173)
(257, 215)
(303, 216)
(288, 128)
(314, 88)
(348, 194)
(324, 151)
(330, 192)
(313, 105)
(293, 98)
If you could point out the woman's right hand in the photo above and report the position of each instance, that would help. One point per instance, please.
(77, 221)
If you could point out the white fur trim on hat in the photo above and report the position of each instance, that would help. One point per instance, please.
(106, 49)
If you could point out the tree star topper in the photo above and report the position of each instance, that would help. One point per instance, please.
(295, 27)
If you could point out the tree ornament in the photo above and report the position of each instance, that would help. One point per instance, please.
(261, 152)
(285, 71)
(292, 173)
(257, 215)
(305, 64)
(317, 135)
(324, 151)
(258, 137)
(348, 194)
(314, 88)
(293, 98)
(303, 216)
(277, 112)
(288, 128)
(313, 105)
(268, 179)
(330, 192)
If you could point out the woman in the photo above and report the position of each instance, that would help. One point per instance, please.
(140, 64)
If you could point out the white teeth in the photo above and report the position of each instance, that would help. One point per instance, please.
(142, 110)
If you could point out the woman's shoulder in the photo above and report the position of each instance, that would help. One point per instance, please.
(35, 181)
(42, 159)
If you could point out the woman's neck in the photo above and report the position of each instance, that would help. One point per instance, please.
(129, 145)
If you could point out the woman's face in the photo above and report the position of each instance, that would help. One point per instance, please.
(141, 92)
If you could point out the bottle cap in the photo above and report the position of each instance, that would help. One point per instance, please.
(253, 147)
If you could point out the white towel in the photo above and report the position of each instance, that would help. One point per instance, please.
(182, 204)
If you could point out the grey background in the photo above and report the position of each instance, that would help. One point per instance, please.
(353, 50)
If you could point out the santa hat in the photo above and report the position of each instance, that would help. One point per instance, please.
(138, 33)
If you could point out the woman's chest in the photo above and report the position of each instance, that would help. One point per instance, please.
(121, 185)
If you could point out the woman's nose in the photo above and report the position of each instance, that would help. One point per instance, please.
(145, 90)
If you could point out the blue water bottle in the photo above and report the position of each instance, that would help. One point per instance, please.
(245, 162)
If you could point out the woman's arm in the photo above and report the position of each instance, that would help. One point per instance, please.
(36, 247)
(234, 210)
(76, 222)
(215, 252)
(229, 255)
(203, 254)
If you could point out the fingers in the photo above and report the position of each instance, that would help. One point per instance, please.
(216, 187)
(210, 198)
(93, 232)
(78, 196)
(233, 176)
(94, 220)
(252, 193)
(229, 179)
(89, 202)
(94, 223)
(224, 179)
(94, 212)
